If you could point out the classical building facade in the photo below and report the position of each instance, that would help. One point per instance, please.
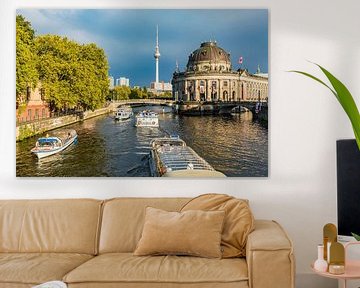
(209, 77)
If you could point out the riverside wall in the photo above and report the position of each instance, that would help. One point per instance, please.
(29, 129)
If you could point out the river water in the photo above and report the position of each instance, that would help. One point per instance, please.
(233, 144)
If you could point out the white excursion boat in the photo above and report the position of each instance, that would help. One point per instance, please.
(123, 113)
(147, 119)
(49, 145)
(170, 157)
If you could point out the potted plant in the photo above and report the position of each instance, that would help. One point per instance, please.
(346, 100)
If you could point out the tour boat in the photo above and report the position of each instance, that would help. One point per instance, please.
(49, 145)
(123, 113)
(147, 119)
(171, 157)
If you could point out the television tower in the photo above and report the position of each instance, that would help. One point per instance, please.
(157, 55)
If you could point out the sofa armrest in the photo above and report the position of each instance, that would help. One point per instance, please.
(269, 256)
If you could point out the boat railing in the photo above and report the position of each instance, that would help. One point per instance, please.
(180, 157)
(185, 166)
(168, 145)
(148, 114)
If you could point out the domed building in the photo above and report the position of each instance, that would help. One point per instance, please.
(209, 77)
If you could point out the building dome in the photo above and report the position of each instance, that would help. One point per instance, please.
(209, 57)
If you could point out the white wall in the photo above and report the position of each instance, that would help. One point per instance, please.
(305, 121)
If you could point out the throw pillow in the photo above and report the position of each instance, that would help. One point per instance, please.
(196, 233)
(238, 223)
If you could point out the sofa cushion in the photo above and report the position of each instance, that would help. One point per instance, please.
(193, 232)
(36, 268)
(123, 220)
(238, 223)
(62, 226)
(126, 268)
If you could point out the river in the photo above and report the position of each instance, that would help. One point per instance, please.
(233, 144)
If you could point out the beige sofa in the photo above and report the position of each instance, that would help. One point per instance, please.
(89, 243)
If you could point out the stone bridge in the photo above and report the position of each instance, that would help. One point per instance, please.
(115, 104)
(252, 104)
(141, 102)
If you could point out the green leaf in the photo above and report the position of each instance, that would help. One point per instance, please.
(347, 102)
(356, 236)
(344, 97)
(316, 79)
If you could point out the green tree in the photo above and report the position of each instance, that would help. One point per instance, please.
(57, 65)
(93, 70)
(138, 93)
(121, 93)
(73, 75)
(26, 73)
(145, 91)
(150, 94)
(166, 94)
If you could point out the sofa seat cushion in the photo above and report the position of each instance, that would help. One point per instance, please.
(36, 268)
(127, 268)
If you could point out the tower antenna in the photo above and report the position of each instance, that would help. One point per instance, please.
(157, 55)
(177, 66)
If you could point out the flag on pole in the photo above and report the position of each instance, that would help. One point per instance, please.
(240, 60)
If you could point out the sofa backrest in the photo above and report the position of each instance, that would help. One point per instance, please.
(123, 220)
(66, 226)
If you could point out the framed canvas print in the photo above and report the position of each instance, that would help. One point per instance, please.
(142, 93)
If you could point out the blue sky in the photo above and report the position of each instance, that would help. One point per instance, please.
(128, 36)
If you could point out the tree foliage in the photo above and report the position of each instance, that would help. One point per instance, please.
(73, 75)
(167, 94)
(125, 93)
(138, 93)
(26, 73)
(121, 93)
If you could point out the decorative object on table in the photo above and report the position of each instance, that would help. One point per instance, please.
(51, 284)
(329, 236)
(336, 269)
(344, 97)
(337, 258)
(320, 264)
(341, 267)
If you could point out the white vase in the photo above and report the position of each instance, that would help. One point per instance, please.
(320, 264)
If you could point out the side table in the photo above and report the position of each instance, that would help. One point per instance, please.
(352, 269)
